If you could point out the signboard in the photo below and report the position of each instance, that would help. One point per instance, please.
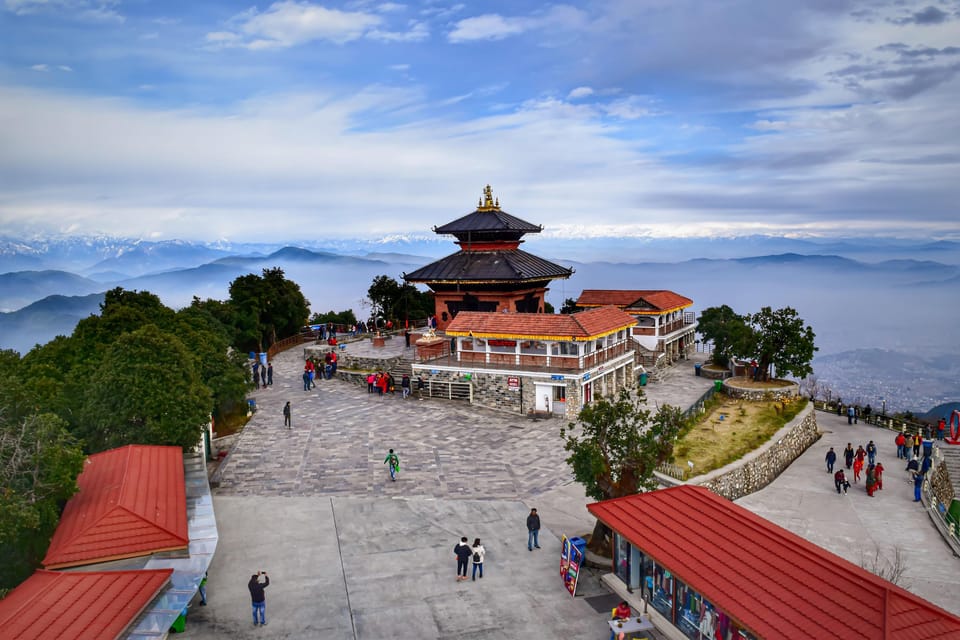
(570, 560)
(556, 376)
(513, 382)
(586, 376)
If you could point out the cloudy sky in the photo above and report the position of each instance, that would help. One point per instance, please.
(276, 121)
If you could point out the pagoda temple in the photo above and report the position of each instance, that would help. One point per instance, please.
(489, 272)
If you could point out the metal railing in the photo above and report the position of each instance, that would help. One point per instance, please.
(447, 390)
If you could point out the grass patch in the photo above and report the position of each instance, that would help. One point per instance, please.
(730, 428)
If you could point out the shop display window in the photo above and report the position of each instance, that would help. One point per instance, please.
(690, 607)
(621, 558)
(663, 591)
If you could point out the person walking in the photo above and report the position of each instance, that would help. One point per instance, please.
(848, 455)
(306, 379)
(405, 385)
(270, 375)
(871, 480)
(861, 453)
(901, 442)
(263, 376)
(420, 386)
(871, 453)
(917, 485)
(851, 412)
(257, 597)
(857, 468)
(394, 461)
(840, 481)
(831, 460)
(878, 470)
(478, 553)
(463, 553)
(533, 530)
(256, 374)
(286, 415)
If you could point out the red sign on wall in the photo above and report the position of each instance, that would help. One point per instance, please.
(513, 382)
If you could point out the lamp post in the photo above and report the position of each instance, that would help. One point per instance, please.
(883, 406)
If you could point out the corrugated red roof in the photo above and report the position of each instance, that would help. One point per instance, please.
(777, 584)
(584, 325)
(78, 605)
(131, 502)
(660, 299)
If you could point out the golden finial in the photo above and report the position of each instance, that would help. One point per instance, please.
(488, 203)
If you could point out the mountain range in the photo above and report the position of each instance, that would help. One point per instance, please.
(890, 296)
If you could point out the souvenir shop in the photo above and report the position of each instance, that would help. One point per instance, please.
(702, 567)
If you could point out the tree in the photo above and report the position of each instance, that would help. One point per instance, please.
(616, 445)
(781, 339)
(39, 465)
(394, 301)
(146, 391)
(569, 306)
(266, 309)
(729, 332)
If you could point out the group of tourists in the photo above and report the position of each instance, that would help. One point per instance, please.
(855, 460)
(313, 369)
(383, 383)
(464, 553)
(262, 374)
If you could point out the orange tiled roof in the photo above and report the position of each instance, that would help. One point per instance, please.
(131, 502)
(582, 326)
(661, 300)
(75, 605)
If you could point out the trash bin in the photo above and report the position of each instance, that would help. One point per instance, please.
(263, 357)
(643, 379)
(927, 448)
(718, 385)
(252, 405)
(580, 544)
(696, 368)
(253, 355)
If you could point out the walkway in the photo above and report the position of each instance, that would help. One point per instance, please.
(353, 555)
(854, 526)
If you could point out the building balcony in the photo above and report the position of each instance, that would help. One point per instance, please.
(525, 361)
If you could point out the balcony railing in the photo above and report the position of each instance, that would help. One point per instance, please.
(527, 361)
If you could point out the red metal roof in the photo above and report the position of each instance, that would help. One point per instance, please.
(584, 325)
(660, 299)
(75, 605)
(775, 583)
(131, 502)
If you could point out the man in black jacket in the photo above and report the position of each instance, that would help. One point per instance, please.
(257, 596)
(463, 552)
(533, 530)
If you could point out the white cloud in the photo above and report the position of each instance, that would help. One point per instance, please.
(391, 7)
(63, 67)
(290, 23)
(416, 32)
(579, 92)
(41, 67)
(399, 67)
(85, 10)
(493, 26)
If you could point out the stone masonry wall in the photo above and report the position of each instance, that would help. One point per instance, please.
(757, 395)
(761, 467)
(940, 484)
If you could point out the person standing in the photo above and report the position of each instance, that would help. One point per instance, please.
(840, 481)
(478, 553)
(917, 441)
(406, 338)
(941, 428)
(371, 378)
(901, 442)
(256, 374)
(270, 375)
(848, 455)
(878, 470)
(257, 597)
(533, 530)
(831, 460)
(420, 386)
(857, 468)
(263, 376)
(871, 453)
(850, 413)
(405, 385)
(871, 480)
(917, 485)
(286, 415)
(202, 589)
(306, 379)
(463, 553)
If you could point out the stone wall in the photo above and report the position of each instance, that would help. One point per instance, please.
(762, 466)
(714, 373)
(759, 395)
(940, 484)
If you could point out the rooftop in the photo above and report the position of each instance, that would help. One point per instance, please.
(498, 266)
(637, 301)
(774, 582)
(582, 326)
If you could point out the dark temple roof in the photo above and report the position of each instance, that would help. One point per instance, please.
(494, 220)
(483, 266)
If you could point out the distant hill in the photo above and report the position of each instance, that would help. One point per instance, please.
(940, 411)
(20, 288)
(46, 319)
(147, 258)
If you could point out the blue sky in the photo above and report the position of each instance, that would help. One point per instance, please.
(277, 121)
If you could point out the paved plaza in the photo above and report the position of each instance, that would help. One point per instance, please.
(353, 555)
